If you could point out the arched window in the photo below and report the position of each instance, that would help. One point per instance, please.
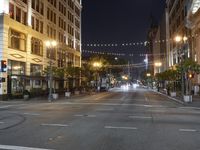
(36, 46)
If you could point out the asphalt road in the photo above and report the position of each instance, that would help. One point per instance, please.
(134, 119)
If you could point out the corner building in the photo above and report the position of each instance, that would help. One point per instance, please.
(25, 25)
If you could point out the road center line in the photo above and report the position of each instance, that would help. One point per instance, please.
(55, 125)
(109, 109)
(78, 115)
(124, 128)
(187, 130)
(140, 117)
(8, 147)
(111, 104)
(31, 114)
(6, 106)
(91, 116)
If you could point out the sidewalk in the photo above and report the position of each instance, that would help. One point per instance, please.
(44, 99)
(179, 99)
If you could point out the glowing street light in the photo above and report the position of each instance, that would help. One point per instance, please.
(148, 75)
(178, 39)
(125, 77)
(97, 65)
(158, 64)
(50, 45)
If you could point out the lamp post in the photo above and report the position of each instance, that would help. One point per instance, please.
(158, 65)
(97, 65)
(179, 39)
(50, 45)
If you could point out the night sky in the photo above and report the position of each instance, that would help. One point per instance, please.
(118, 21)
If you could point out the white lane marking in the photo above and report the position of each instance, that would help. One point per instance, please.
(32, 114)
(7, 106)
(140, 117)
(2, 122)
(55, 125)
(124, 128)
(189, 108)
(78, 115)
(187, 130)
(123, 98)
(91, 116)
(8, 147)
(109, 109)
(111, 104)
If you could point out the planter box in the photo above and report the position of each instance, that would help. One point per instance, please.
(26, 97)
(187, 98)
(67, 94)
(173, 94)
(55, 96)
(77, 92)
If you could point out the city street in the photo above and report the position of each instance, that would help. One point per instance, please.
(121, 119)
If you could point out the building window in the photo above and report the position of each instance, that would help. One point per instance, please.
(33, 4)
(38, 5)
(18, 14)
(25, 1)
(36, 46)
(36, 70)
(37, 25)
(33, 22)
(77, 61)
(17, 40)
(51, 16)
(11, 10)
(51, 53)
(41, 27)
(24, 17)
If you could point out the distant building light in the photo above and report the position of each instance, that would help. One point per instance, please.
(195, 6)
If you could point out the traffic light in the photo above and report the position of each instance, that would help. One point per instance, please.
(3, 66)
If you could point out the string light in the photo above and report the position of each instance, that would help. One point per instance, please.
(122, 54)
(139, 43)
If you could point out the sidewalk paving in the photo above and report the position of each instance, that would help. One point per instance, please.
(44, 99)
(195, 99)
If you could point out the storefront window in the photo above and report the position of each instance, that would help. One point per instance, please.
(16, 67)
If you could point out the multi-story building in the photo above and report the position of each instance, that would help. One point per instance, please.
(177, 12)
(193, 22)
(160, 45)
(150, 49)
(25, 25)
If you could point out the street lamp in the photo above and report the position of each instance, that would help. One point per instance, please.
(50, 45)
(148, 75)
(158, 64)
(97, 65)
(179, 39)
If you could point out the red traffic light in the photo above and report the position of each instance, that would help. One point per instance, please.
(3, 66)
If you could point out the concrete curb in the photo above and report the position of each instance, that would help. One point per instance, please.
(174, 99)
